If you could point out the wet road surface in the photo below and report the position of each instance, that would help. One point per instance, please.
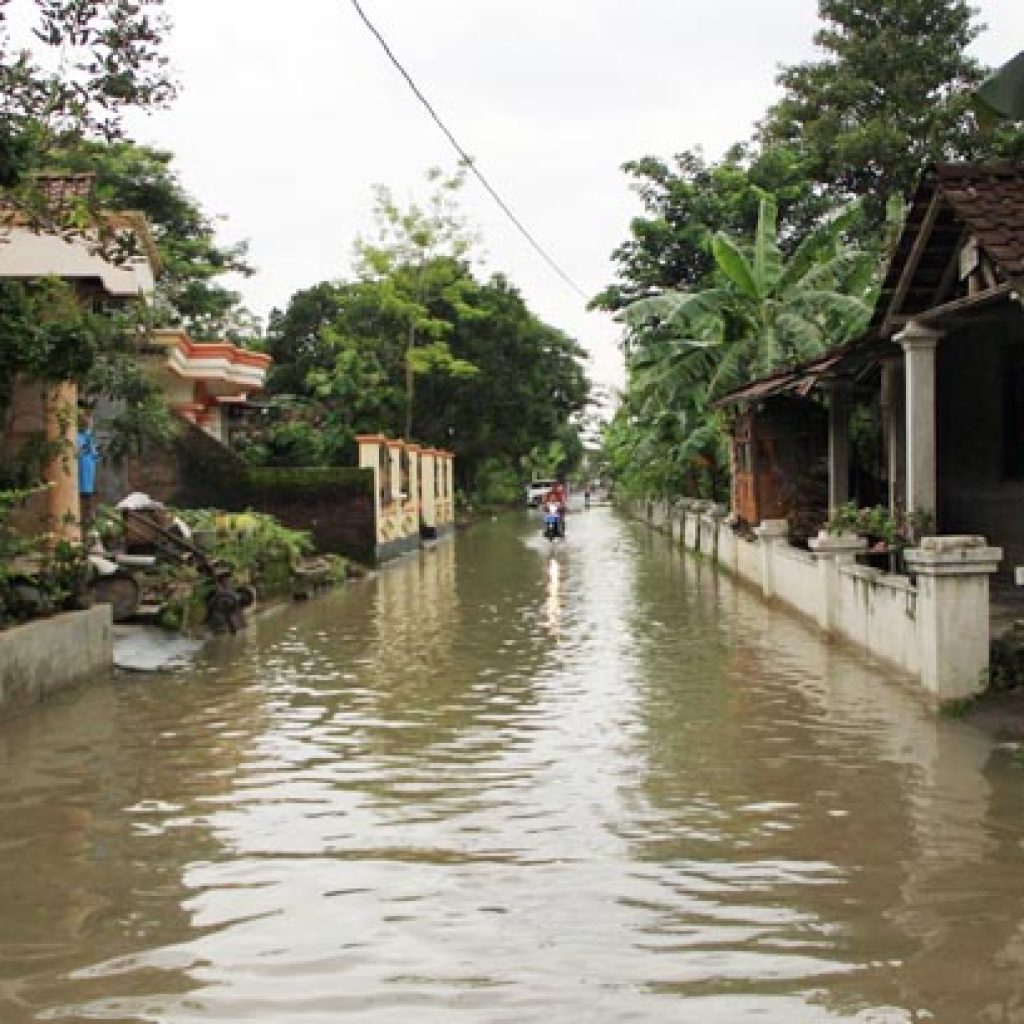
(512, 781)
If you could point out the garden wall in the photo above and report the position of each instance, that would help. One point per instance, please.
(335, 504)
(933, 625)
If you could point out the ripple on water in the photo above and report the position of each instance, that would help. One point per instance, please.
(498, 783)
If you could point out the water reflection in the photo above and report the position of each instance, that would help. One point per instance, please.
(500, 782)
(554, 602)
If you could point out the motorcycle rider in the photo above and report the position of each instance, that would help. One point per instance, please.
(556, 496)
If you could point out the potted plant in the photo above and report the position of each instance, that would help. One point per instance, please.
(889, 532)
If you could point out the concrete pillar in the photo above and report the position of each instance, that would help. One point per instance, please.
(428, 493)
(691, 524)
(445, 489)
(370, 446)
(838, 446)
(770, 533)
(413, 453)
(894, 427)
(660, 511)
(411, 511)
(677, 516)
(831, 550)
(953, 612)
(62, 501)
(919, 345)
(449, 463)
(395, 455)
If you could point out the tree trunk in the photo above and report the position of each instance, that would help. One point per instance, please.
(409, 383)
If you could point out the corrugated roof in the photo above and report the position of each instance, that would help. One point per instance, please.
(844, 362)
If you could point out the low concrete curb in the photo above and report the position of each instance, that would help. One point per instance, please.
(42, 657)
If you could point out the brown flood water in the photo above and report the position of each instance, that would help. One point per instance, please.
(508, 782)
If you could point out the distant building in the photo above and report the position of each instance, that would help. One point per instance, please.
(203, 380)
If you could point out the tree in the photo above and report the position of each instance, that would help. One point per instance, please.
(89, 62)
(296, 335)
(412, 245)
(890, 94)
(686, 202)
(487, 377)
(764, 311)
(341, 348)
(530, 389)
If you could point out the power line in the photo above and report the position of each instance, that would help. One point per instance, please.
(466, 158)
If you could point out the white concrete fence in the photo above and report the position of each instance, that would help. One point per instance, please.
(933, 624)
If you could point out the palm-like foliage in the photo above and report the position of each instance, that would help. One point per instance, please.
(760, 312)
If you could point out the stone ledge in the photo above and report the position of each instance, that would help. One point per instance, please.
(878, 577)
(42, 657)
(953, 556)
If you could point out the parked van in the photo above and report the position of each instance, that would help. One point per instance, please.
(536, 489)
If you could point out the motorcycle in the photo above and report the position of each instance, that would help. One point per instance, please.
(554, 521)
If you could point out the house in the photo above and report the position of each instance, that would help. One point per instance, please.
(100, 278)
(942, 360)
(203, 380)
(940, 370)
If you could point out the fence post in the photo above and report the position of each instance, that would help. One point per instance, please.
(953, 612)
(770, 533)
(830, 551)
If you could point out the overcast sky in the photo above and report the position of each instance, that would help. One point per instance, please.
(289, 113)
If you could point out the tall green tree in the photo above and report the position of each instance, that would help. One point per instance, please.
(82, 64)
(764, 311)
(688, 199)
(416, 345)
(530, 389)
(341, 348)
(413, 245)
(890, 93)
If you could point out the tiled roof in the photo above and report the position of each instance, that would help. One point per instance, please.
(62, 190)
(989, 199)
(951, 200)
(984, 200)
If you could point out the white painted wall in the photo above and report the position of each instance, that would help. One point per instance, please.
(797, 579)
(878, 611)
(935, 629)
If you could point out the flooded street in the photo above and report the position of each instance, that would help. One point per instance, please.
(506, 781)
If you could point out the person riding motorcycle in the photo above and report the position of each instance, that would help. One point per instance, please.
(556, 496)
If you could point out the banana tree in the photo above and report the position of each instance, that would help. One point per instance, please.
(760, 312)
